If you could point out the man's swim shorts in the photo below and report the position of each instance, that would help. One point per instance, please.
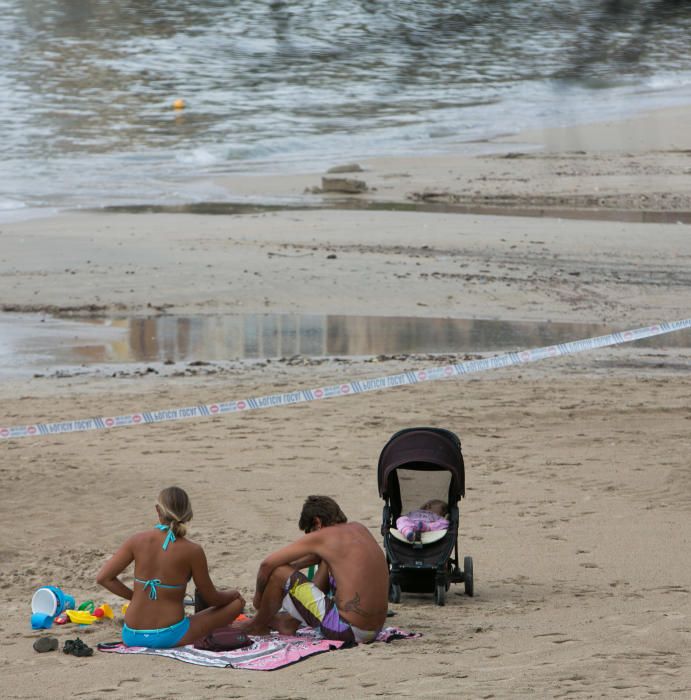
(305, 602)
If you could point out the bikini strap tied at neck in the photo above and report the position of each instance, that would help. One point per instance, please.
(170, 537)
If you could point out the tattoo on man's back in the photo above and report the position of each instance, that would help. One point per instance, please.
(354, 606)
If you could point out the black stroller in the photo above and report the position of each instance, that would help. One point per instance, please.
(415, 465)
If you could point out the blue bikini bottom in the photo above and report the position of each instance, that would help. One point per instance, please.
(162, 638)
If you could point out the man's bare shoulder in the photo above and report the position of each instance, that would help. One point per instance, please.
(349, 530)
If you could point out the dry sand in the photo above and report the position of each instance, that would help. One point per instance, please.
(577, 511)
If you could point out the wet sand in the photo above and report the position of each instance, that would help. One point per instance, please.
(578, 480)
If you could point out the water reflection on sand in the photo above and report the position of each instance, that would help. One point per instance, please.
(31, 342)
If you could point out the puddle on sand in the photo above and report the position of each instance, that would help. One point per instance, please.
(434, 207)
(32, 343)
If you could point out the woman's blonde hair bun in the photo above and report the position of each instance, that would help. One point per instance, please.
(176, 509)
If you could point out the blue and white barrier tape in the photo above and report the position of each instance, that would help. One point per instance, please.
(344, 389)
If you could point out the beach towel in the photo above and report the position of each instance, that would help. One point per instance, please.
(266, 653)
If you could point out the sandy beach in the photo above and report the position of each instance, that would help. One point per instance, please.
(579, 488)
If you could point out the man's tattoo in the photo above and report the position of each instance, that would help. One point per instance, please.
(354, 606)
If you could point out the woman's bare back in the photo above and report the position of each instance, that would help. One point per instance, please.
(172, 567)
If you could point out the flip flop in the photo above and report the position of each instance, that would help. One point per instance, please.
(43, 644)
(77, 648)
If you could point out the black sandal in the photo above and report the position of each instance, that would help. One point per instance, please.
(77, 648)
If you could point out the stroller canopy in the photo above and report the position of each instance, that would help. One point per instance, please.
(421, 449)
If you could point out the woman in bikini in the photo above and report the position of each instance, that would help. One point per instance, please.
(164, 561)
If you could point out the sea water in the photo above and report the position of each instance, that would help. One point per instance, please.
(87, 86)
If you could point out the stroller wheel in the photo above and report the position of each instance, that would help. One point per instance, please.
(468, 575)
(440, 594)
(394, 593)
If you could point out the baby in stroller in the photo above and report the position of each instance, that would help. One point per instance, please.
(430, 517)
(417, 463)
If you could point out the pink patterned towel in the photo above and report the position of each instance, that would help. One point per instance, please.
(265, 654)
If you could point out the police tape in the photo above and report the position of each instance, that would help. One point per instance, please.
(347, 388)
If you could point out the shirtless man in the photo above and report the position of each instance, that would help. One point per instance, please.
(351, 565)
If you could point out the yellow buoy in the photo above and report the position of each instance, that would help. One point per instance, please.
(179, 104)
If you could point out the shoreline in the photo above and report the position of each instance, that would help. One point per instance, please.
(655, 130)
(650, 141)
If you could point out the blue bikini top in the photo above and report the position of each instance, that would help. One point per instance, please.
(153, 584)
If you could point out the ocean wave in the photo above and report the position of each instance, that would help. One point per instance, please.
(11, 204)
(197, 156)
(89, 90)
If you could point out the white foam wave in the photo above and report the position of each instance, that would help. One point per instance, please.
(198, 156)
(9, 204)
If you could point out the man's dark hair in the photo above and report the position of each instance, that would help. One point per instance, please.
(322, 507)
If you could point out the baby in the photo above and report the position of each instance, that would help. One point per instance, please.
(429, 518)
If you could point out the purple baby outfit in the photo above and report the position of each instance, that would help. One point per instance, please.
(422, 520)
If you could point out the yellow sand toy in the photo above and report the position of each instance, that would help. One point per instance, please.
(81, 617)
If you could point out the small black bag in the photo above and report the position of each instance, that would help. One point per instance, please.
(223, 639)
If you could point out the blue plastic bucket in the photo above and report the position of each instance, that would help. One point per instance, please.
(41, 621)
(50, 600)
